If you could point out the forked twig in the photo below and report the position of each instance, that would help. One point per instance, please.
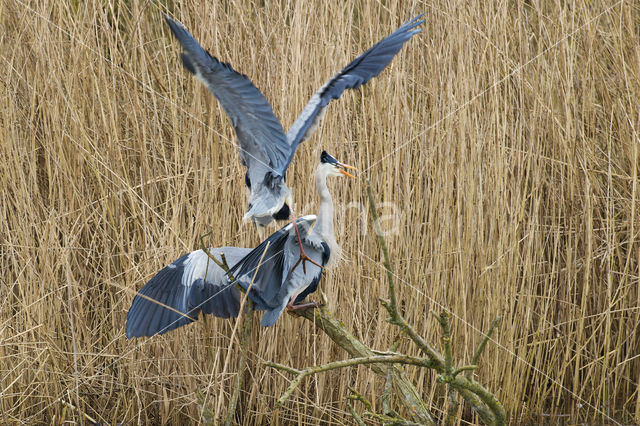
(483, 402)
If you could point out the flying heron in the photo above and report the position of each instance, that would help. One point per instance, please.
(179, 292)
(264, 148)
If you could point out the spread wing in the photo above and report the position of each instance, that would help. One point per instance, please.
(358, 72)
(260, 134)
(275, 283)
(177, 294)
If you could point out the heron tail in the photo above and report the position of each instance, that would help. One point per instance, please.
(270, 317)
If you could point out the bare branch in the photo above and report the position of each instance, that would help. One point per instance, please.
(452, 409)
(386, 394)
(483, 344)
(357, 396)
(391, 306)
(497, 410)
(355, 415)
(465, 368)
(277, 366)
(204, 248)
(335, 330)
(374, 359)
(443, 319)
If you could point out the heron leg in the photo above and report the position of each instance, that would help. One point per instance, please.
(261, 231)
(303, 256)
(292, 307)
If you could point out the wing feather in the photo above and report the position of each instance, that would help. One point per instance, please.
(362, 69)
(191, 284)
(274, 284)
(260, 134)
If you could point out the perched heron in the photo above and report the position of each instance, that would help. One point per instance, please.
(265, 150)
(194, 283)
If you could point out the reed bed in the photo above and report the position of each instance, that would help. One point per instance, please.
(503, 141)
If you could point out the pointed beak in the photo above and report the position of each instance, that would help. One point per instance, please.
(342, 170)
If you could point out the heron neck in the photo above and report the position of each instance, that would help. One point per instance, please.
(324, 223)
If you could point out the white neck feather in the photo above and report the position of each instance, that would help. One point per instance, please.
(324, 223)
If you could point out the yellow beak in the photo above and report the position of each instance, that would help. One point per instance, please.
(344, 172)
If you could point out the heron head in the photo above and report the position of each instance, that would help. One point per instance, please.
(336, 168)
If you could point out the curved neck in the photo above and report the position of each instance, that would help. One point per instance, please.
(324, 223)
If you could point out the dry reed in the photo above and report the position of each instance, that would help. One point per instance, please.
(505, 136)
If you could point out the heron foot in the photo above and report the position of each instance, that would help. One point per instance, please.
(297, 307)
(303, 256)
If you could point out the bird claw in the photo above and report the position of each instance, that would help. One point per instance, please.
(304, 258)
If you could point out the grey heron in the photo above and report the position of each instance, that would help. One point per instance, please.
(264, 148)
(194, 283)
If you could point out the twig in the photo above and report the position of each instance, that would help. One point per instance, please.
(244, 344)
(277, 366)
(355, 415)
(485, 414)
(357, 396)
(452, 402)
(443, 319)
(390, 305)
(497, 410)
(223, 265)
(483, 344)
(375, 359)
(465, 368)
(388, 384)
(335, 330)
(386, 394)
(452, 409)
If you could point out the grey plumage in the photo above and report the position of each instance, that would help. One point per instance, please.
(190, 285)
(263, 144)
(194, 283)
(264, 148)
(358, 72)
(276, 283)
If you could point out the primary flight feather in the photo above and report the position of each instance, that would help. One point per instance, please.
(265, 150)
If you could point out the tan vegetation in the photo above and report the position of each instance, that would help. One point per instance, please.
(505, 135)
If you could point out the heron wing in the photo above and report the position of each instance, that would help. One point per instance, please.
(268, 273)
(260, 134)
(177, 294)
(358, 72)
(272, 278)
(295, 279)
(326, 252)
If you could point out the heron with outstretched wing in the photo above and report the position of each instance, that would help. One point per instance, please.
(194, 283)
(264, 148)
